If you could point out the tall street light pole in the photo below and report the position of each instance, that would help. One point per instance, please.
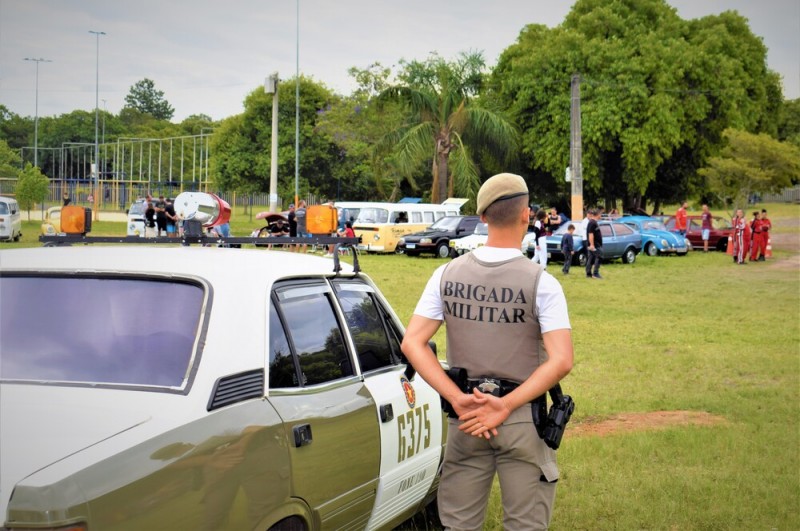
(297, 109)
(96, 122)
(36, 119)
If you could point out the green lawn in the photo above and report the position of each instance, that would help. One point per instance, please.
(694, 333)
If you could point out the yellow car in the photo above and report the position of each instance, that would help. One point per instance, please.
(51, 225)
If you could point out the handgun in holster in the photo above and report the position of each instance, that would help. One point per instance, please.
(459, 376)
(550, 426)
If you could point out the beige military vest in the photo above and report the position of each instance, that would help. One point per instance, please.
(490, 313)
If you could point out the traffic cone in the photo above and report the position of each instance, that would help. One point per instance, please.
(730, 246)
(768, 254)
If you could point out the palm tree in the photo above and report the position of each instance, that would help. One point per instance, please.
(444, 121)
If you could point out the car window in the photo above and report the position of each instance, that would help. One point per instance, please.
(439, 214)
(98, 330)
(428, 216)
(446, 223)
(282, 370)
(416, 217)
(137, 209)
(314, 332)
(670, 224)
(469, 224)
(694, 224)
(605, 231)
(720, 223)
(3, 208)
(373, 215)
(365, 324)
(622, 229)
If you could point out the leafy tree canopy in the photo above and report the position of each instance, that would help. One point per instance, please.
(144, 97)
(9, 161)
(656, 93)
(32, 188)
(751, 163)
(444, 125)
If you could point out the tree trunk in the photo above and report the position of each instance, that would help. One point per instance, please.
(442, 156)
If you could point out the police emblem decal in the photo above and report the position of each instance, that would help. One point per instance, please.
(408, 391)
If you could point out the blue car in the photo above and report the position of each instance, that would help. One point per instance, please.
(656, 239)
(619, 241)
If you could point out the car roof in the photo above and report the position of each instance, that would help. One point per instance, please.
(218, 265)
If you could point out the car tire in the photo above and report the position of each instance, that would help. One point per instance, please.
(293, 523)
(651, 249)
(443, 249)
(629, 256)
(580, 259)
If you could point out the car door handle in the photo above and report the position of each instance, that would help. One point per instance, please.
(302, 435)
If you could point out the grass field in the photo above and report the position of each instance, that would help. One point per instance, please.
(686, 381)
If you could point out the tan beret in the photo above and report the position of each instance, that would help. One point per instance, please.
(499, 187)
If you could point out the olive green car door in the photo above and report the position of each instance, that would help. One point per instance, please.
(328, 413)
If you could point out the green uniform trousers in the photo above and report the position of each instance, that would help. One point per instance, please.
(525, 466)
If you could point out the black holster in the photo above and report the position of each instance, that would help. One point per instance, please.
(459, 376)
(551, 426)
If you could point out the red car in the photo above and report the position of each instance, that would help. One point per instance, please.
(721, 229)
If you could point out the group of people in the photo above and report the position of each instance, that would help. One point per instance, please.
(160, 217)
(543, 224)
(750, 237)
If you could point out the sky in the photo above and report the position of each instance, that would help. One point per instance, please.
(207, 55)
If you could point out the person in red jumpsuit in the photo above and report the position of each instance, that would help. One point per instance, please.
(766, 226)
(741, 237)
(759, 243)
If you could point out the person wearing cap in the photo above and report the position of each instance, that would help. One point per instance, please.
(508, 327)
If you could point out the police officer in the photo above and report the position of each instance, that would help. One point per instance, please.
(508, 326)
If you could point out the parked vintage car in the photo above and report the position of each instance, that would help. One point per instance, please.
(619, 241)
(721, 230)
(269, 393)
(656, 239)
(51, 224)
(469, 243)
(10, 219)
(436, 238)
(136, 218)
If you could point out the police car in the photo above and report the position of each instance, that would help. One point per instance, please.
(196, 387)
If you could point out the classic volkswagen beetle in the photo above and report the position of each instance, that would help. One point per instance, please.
(188, 387)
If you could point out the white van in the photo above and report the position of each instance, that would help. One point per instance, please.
(10, 219)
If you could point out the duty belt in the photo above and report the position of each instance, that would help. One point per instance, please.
(491, 386)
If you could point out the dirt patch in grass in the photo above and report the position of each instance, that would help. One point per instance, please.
(653, 420)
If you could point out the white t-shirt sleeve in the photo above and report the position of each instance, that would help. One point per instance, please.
(430, 303)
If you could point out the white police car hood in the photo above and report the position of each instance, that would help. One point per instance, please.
(41, 425)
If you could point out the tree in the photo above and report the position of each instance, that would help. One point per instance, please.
(241, 144)
(656, 94)
(9, 162)
(144, 97)
(32, 188)
(751, 163)
(443, 119)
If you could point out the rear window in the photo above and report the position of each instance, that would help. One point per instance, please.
(116, 331)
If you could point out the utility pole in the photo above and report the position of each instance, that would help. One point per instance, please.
(271, 87)
(575, 164)
(36, 119)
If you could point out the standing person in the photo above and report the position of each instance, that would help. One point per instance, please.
(680, 219)
(172, 219)
(553, 221)
(758, 244)
(292, 217)
(540, 254)
(741, 237)
(161, 214)
(568, 248)
(766, 226)
(67, 200)
(300, 217)
(594, 239)
(149, 220)
(494, 433)
(705, 217)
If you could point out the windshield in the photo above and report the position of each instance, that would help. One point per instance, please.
(372, 215)
(137, 209)
(446, 223)
(98, 330)
(653, 225)
(482, 229)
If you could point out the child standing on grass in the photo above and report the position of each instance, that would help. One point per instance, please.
(567, 248)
